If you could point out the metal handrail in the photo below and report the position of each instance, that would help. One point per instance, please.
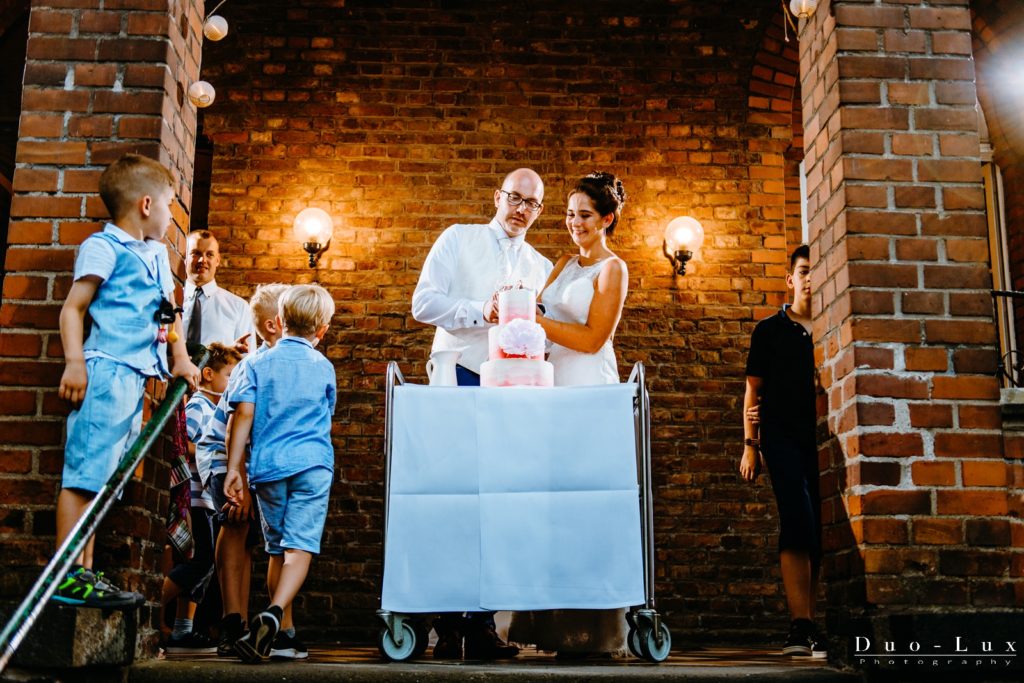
(31, 607)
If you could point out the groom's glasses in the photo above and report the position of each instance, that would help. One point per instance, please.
(515, 199)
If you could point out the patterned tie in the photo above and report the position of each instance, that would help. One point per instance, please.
(195, 323)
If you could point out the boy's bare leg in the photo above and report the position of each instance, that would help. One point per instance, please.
(295, 566)
(798, 580)
(273, 577)
(234, 566)
(71, 505)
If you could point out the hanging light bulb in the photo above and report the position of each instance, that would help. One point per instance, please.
(215, 27)
(803, 8)
(201, 94)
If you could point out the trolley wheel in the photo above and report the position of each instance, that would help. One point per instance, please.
(633, 642)
(422, 638)
(649, 647)
(391, 650)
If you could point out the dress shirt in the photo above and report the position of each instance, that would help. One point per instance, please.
(226, 316)
(466, 265)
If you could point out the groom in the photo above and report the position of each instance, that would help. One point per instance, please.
(468, 263)
(464, 268)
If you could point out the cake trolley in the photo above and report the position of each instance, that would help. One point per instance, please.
(404, 635)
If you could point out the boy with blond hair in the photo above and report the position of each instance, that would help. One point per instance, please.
(238, 530)
(123, 281)
(285, 400)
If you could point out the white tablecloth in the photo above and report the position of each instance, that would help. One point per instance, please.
(513, 499)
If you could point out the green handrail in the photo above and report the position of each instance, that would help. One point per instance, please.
(31, 607)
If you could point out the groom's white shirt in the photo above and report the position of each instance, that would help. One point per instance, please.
(463, 269)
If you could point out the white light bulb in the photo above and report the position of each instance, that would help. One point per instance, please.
(803, 8)
(684, 234)
(215, 28)
(313, 225)
(201, 94)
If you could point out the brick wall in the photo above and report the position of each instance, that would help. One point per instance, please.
(98, 82)
(917, 480)
(402, 121)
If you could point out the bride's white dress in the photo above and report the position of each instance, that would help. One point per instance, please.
(567, 299)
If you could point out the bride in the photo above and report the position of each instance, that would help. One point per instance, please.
(583, 301)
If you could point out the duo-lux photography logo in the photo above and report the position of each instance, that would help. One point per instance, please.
(955, 651)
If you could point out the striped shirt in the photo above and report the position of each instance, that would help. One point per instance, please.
(198, 412)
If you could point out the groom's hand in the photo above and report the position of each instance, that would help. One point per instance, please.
(491, 309)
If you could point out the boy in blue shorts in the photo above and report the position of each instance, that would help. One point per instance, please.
(123, 281)
(285, 400)
(238, 534)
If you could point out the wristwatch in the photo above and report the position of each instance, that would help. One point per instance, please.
(752, 442)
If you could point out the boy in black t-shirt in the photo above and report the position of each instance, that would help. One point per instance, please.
(778, 428)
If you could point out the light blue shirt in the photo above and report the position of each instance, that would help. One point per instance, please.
(136, 277)
(294, 389)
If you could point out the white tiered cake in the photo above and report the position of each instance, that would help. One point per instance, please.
(516, 345)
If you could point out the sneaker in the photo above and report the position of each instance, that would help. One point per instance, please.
(799, 643)
(288, 647)
(255, 646)
(191, 643)
(85, 587)
(819, 646)
(231, 629)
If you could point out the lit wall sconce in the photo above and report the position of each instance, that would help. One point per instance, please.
(683, 237)
(313, 229)
(803, 8)
(201, 94)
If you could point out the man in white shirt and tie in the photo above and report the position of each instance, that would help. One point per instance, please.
(222, 316)
(469, 263)
(465, 267)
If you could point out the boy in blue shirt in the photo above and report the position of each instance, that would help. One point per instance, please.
(123, 281)
(285, 399)
(238, 533)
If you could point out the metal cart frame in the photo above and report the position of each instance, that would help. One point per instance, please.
(405, 636)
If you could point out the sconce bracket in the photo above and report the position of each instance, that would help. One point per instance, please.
(315, 249)
(677, 258)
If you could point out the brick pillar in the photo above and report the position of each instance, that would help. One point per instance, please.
(98, 82)
(917, 505)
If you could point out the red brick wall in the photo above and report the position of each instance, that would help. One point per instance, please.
(111, 87)
(917, 478)
(403, 121)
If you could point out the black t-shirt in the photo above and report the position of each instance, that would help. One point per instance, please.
(782, 355)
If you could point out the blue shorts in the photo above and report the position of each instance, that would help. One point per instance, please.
(294, 510)
(104, 426)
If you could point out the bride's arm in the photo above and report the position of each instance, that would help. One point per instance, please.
(605, 311)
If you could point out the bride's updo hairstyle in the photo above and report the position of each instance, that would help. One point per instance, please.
(607, 193)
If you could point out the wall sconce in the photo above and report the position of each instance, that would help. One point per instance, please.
(313, 229)
(201, 94)
(803, 8)
(683, 237)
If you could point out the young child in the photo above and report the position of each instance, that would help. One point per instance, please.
(285, 400)
(238, 532)
(190, 577)
(123, 281)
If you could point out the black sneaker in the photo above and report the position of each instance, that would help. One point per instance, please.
(799, 643)
(84, 587)
(819, 646)
(231, 629)
(191, 643)
(288, 647)
(255, 647)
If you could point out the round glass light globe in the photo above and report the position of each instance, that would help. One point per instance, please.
(313, 225)
(803, 8)
(215, 28)
(684, 233)
(201, 94)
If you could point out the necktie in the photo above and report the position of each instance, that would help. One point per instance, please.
(195, 323)
(510, 259)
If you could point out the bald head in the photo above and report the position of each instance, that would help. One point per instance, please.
(520, 189)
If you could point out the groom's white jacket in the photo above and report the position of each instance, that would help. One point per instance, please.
(466, 265)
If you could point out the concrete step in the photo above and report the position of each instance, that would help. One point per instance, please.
(364, 664)
(71, 637)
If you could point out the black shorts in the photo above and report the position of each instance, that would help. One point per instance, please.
(793, 467)
(193, 576)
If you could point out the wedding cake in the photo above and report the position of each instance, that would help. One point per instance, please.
(516, 345)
